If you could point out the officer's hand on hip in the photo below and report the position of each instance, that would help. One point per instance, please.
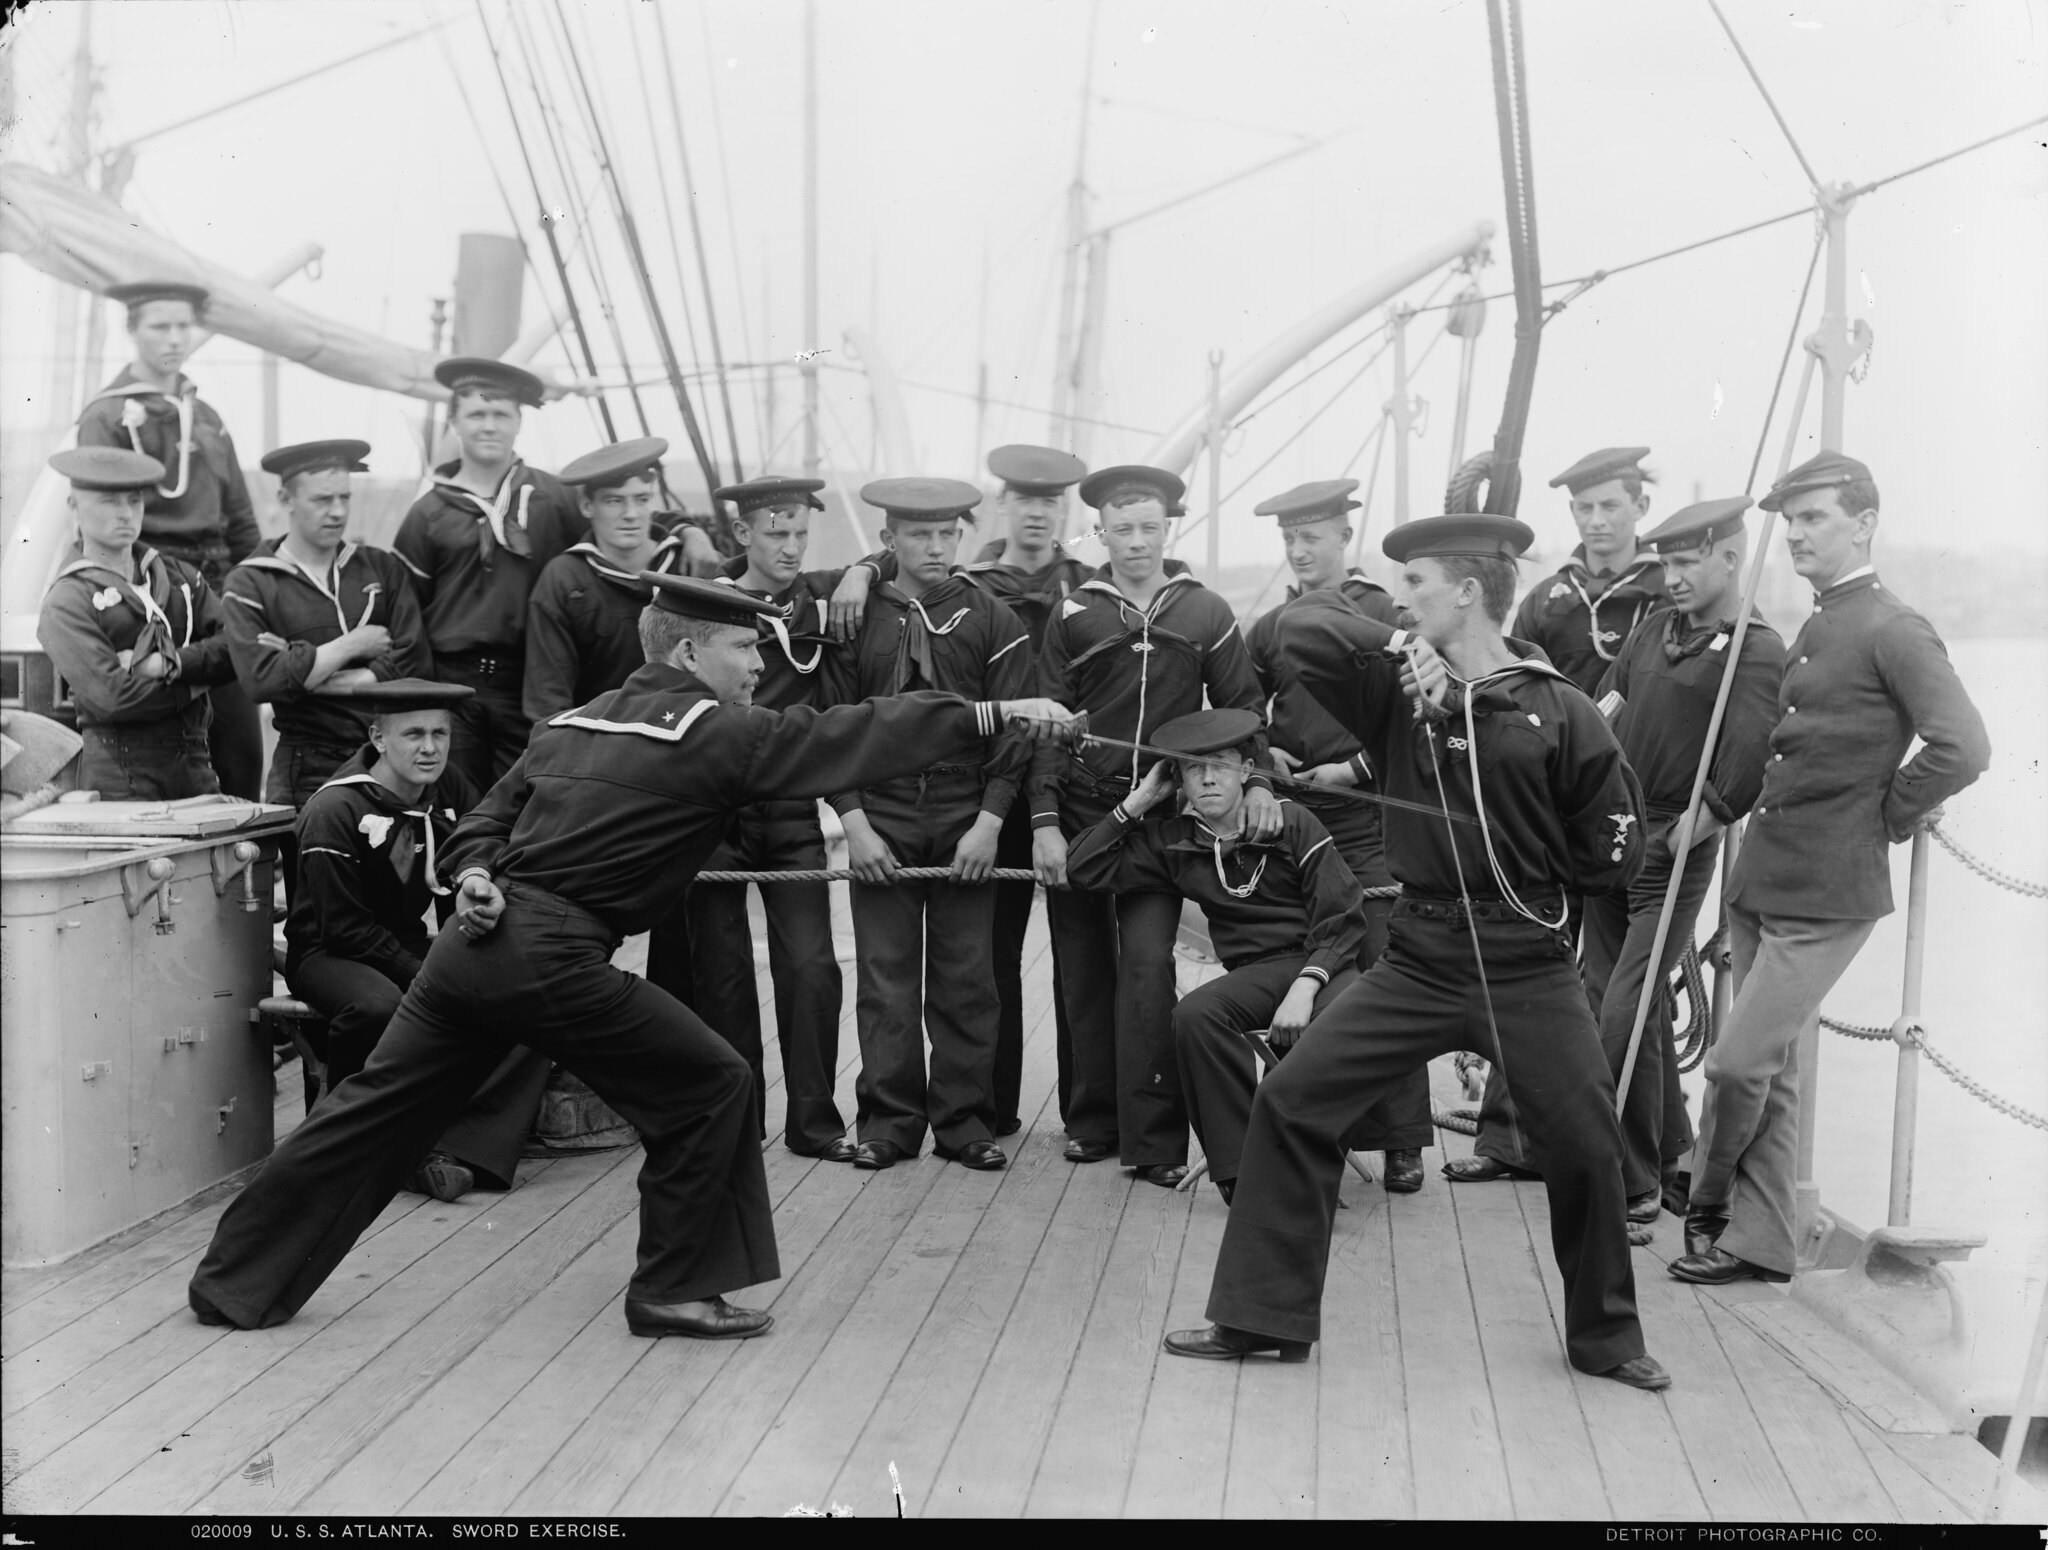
(1261, 813)
(975, 856)
(478, 904)
(867, 853)
(849, 603)
(1294, 1012)
(1049, 856)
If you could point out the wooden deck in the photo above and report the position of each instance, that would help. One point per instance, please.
(992, 1337)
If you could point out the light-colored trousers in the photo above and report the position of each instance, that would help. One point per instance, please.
(1746, 1163)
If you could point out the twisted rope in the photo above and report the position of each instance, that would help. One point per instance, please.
(916, 874)
(1985, 870)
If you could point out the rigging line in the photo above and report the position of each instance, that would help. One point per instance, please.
(1007, 403)
(1975, 145)
(547, 226)
(1251, 609)
(1310, 375)
(661, 183)
(1378, 436)
(1201, 118)
(732, 225)
(675, 113)
(1303, 429)
(1812, 179)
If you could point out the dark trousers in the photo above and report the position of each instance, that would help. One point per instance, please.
(149, 761)
(542, 978)
(1615, 955)
(921, 954)
(774, 836)
(358, 1003)
(490, 728)
(1420, 1000)
(1012, 922)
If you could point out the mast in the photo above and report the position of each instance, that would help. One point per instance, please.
(810, 344)
(1062, 429)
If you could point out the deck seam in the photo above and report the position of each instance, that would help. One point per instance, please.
(1485, 1361)
(1536, 1252)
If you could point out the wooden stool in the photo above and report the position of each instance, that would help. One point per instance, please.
(299, 1023)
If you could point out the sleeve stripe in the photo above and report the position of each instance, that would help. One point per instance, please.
(1005, 650)
(986, 720)
(1319, 844)
(1318, 973)
(326, 850)
(408, 564)
(247, 602)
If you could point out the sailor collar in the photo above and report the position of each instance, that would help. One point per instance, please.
(1178, 576)
(1343, 585)
(779, 627)
(273, 559)
(495, 509)
(377, 827)
(663, 559)
(938, 596)
(657, 702)
(125, 385)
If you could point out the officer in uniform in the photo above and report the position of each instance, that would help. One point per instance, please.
(1137, 645)
(1476, 951)
(135, 635)
(369, 842)
(311, 616)
(1285, 917)
(1864, 677)
(200, 512)
(800, 666)
(592, 837)
(1315, 527)
(476, 543)
(921, 949)
(1659, 696)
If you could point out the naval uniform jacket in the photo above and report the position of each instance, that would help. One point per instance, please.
(369, 865)
(583, 626)
(1667, 675)
(212, 523)
(1298, 724)
(1034, 596)
(615, 805)
(1133, 669)
(1865, 675)
(1581, 620)
(1562, 805)
(957, 637)
(473, 589)
(1288, 897)
(271, 594)
(800, 663)
(91, 614)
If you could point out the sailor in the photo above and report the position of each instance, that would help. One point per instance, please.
(369, 843)
(1315, 528)
(1476, 951)
(1582, 614)
(1137, 645)
(583, 619)
(1659, 696)
(135, 635)
(1285, 917)
(1865, 675)
(476, 542)
(800, 666)
(923, 947)
(199, 512)
(592, 837)
(312, 615)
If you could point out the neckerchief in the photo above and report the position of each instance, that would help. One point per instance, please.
(158, 633)
(778, 624)
(1572, 573)
(1682, 640)
(915, 646)
(502, 529)
(404, 845)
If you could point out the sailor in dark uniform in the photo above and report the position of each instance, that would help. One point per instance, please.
(922, 948)
(369, 840)
(476, 543)
(1138, 644)
(200, 512)
(312, 615)
(800, 666)
(1476, 950)
(1659, 696)
(1315, 526)
(135, 635)
(1285, 917)
(592, 837)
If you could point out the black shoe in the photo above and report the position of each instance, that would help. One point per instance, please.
(1640, 1372)
(442, 1177)
(1087, 1151)
(837, 1150)
(1220, 1343)
(985, 1156)
(207, 1313)
(1403, 1172)
(1717, 1267)
(1165, 1175)
(877, 1155)
(712, 1318)
(1646, 1207)
(1008, 1127)
(1481, 1170)
(1703, 1230)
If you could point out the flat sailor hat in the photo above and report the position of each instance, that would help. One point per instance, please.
(695, 599)
(1036, 470)
(615, 464)
(135, 292)
(1599, 467)
(1475, 534)
(1207, 731)
(1816, 473)
(306, 457)
(476, 371)
(107, 468)
(1313, 502)
(1105, 482)
(922, 500)
(771, 490)
(1698, 525)
(395, 694)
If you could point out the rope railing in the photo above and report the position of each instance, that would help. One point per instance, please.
(914, 874)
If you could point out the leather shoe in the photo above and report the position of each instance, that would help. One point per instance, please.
(711, 1319)
(1403, 1172)
(1481, 1170)
(1640, 1372)
(442, 1177)
(1717, 1267)
(1646, 1207)
(838, 1149)
(985, 1156)
(1702, 1230)
(1008, 1127)
(1221, 1343)
(1087, 1151)
(1165, 1175)
(877, 1155)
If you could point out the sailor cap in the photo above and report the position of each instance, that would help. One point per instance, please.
(1036, 470)
(310, 456)
(475, 371)
(395, 694)
(1313, 502)
(1599, 467)
(1165, 487)
(922, 500)
(135, 292)
(1698, 525)
(107, 468)
(1207, 731)
(695, 599)
(615, 464)
(771, 490)
(1477, 535)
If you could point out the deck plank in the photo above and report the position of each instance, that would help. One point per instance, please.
(1184, 1443)
(1914, 1498)
(1362, 1459)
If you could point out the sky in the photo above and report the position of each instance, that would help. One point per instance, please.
(949, 133)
